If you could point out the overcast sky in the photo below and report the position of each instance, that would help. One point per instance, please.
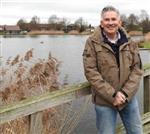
(12, 10)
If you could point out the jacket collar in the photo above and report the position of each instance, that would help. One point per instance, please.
(97, 36)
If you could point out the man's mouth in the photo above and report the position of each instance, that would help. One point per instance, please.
(111, 28)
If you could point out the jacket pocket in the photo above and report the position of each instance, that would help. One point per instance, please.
(127, 57)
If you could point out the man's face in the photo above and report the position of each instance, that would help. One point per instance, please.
(110, 22)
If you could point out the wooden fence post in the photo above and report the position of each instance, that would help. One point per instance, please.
(36, 125)
(146, 94)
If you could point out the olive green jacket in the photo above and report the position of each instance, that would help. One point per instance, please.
(102, 71)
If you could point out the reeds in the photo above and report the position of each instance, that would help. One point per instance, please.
(26, 76)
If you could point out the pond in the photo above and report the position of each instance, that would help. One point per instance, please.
(67, 49)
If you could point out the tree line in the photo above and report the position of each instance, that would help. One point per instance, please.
(54, 23)
(131, 22)
(134, 22)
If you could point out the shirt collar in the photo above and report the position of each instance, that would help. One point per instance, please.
(115, 40)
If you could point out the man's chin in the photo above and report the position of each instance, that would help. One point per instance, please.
(111, 32)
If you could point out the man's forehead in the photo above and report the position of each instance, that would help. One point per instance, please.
(110, 14)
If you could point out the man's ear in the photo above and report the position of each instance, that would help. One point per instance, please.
(101, 23)
(120, 23)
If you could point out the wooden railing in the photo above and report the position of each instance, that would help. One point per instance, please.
(44, 101)
(35, 104)
(146, 84)
(145, 122)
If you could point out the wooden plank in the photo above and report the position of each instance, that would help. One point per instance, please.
(144, 49)
(146, 68)
(39, 103)
(147, 94)
(145, 122)
(36, 125)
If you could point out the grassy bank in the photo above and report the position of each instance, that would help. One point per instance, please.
(146, 44)
(146, 67)
(52, 32)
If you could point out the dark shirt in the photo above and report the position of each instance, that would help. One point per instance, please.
(115, 46)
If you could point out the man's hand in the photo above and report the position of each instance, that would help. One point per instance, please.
(119, 99)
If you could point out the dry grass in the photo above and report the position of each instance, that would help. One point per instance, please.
(24, 77)
(135, 33)
(50, 32)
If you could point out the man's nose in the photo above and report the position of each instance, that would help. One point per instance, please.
(110, 22)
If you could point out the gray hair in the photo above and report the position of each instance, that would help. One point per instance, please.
(109, 8)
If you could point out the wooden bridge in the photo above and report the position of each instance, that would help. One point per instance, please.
(33, 105)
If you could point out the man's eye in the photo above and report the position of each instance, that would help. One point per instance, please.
(113, 19)
(106, 19)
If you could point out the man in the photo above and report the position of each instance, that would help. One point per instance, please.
(113, 67)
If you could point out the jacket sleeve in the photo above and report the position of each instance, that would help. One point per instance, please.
(101, 87)
(131, 85)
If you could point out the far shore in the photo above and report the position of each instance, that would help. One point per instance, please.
(73, 32)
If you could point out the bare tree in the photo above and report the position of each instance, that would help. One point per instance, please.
(22, 24)
(53, 19)
(124, 20)
(35, 20)
(133, 23)
(145, 22)
(133, 19)
(81, 24)
(144, 15)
